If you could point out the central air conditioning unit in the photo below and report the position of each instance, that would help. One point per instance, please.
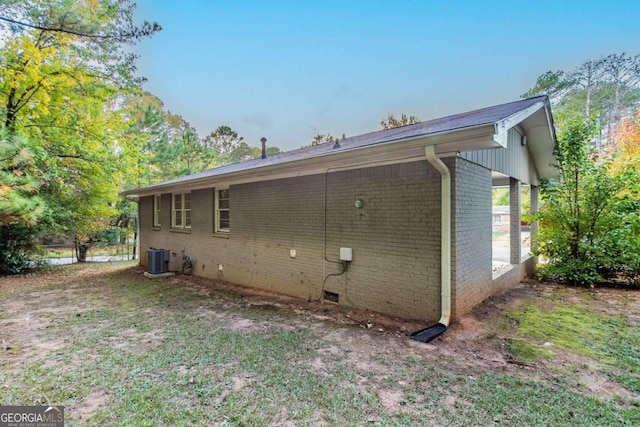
(157, 260)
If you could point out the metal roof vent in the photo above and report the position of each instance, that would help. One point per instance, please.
(337, 144)
(264, 147)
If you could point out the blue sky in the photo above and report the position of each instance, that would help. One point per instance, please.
(287, 70)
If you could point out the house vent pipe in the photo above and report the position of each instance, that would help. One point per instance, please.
(264, 147)
(432, 332)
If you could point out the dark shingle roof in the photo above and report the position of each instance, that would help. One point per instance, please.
(483, 116)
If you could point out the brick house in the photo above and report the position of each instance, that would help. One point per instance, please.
(501, 218)
(279, 222)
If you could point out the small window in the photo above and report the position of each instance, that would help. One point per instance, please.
(181, 210)
(222, 210)
(497, 219)
(156, 211)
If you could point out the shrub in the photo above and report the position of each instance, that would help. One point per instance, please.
(590, 217)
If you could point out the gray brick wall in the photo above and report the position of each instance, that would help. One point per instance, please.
(268, 220)
(514, 221)
(395, 237)
(470, 234)
(535, 200)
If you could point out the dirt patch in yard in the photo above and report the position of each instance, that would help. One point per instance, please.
(476, 342)
(256, 298)
(372, 344)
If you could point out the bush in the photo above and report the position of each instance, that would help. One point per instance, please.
(590, 218)
(17, 244)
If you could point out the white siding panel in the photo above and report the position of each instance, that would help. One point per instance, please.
(514, 161)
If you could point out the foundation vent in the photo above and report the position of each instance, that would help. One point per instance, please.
(331, 297)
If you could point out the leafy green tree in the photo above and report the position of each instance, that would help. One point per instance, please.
(19, 202)
(64, 66)
(20, 206)
(174, 148)
(146, 138)
(589, 221)
(223, 140)
(241, 153)
(552, 83)
(391, 121)
(322, 138)
(191, 155)
(271, 151)
(626, 166)
(231, 148)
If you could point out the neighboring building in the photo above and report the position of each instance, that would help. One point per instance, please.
(501, 219)
(279, 222)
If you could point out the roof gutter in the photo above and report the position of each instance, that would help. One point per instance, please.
(432, 332)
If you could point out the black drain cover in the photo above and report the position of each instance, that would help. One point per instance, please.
(430, 333)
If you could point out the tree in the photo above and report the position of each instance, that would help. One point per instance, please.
(391, 121)
(321, 138)
(628, 143)
(552, 84)
(626, 166)
(146, 137)
(607, 88)
(168, 145)
(223, 140)
(191, 155)
(587, 78)
(622, 74)
(241, 153)
(20, 206)
(18, 185)
(65, 64)
(65, 48)
(271, 151)
(590, 222)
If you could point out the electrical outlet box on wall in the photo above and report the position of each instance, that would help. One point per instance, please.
(346, 254)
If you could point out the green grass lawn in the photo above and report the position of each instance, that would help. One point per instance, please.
(116, 348)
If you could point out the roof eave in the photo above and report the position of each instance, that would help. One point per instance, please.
(541, 137)
(393, 151)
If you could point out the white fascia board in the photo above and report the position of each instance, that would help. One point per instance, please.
(502, 127)
(541, 142)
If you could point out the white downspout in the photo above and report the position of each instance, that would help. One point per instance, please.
(445, 231)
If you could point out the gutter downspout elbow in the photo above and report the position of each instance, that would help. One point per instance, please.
(445, 233)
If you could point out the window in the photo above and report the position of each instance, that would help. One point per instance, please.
(222, 210)
(181, 210)
(156, 211)
(497, 219)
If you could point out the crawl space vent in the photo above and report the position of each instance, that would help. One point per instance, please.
(331, 297)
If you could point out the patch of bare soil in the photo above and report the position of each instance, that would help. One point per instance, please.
(478, 339)
(317, 310)
(89, 405)
(474, 344)
(55, 276)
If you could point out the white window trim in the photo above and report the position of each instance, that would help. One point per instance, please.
(182, 210)
(157, 208)
(217, 209)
